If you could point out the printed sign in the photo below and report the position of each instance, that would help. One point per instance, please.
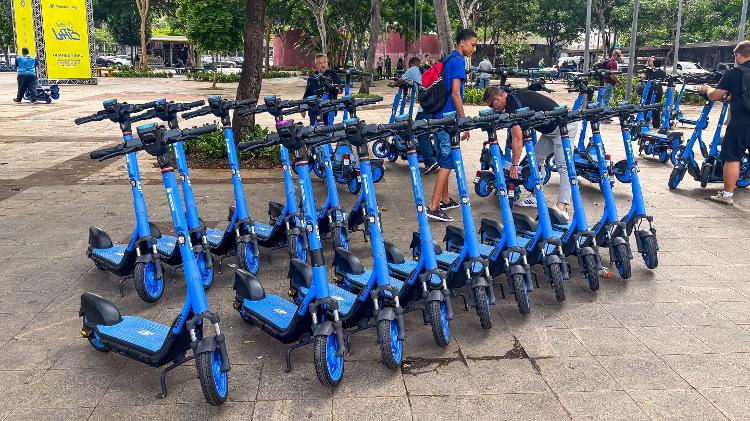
(66, 39)
(24, 25)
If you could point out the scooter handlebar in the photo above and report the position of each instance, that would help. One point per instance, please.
(109, 151)
(145, 116)
(257, 144)
(99, 116)
(197, 131)
(330, 129)
(199, 112)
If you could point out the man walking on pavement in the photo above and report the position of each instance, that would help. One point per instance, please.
(26, 66)
(484, 77)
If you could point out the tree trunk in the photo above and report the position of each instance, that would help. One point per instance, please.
(216, 69)
(143, 6)
(376, 7)
(250, 78)
(320, 20)
(443, 25)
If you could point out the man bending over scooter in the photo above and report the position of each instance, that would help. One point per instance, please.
(548, 142)
(737, 137)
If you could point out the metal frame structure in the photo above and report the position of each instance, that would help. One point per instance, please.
(41, 52)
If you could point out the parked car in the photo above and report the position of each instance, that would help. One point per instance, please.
(693, 71)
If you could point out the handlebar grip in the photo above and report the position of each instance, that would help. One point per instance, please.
(487, 118)
(196, 113)
(88, 119)
(145, 116)
(244, 102)
(373, 100)
(331, 129)
(398, 125)
(253, 144)
(592, 111)
(199, 131)
(141, 107)
(103, 152)
(523, 114)
(440, 121)
(194, 104)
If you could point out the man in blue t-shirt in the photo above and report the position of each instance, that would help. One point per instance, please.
(26, 75)
(454, 75)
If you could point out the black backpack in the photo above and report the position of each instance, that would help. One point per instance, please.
(745, 86)
(434, 97)
(600, 65)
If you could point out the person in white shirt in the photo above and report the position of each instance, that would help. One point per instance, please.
(484, 78)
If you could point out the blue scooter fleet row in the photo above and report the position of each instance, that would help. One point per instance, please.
(327, 303)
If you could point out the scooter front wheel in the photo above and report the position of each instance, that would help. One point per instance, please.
(340, 238)
(328, 366)
(214, 383)
(676, 154)
(391, 349)
(650, 258)
(483, 307)
(296, 248)
(521, 293)
(556, 280)
(622, 260)
(147, 286)
(246, 257)
(353, 185)
(676, 177)
(483, 187)
(705, 175)
(377, 174)
(207, 272)
(663, 156)
(591, 271)
(436, 311)
(381, 148)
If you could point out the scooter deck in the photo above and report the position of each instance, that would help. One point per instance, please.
(273, 309)
(362, 279)
(263, 231)
(138, 332)
(403, 270)
(214, 236)
(113, 255)
(345, 298)
(166, 245)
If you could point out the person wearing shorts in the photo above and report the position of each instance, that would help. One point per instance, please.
(736, 140)
(454, 74)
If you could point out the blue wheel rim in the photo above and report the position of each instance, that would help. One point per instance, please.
(220, 379)
(353, 185)
(378, 149)
(396, 346)
(301, 251)
(207, 273)
(343, 239)
(377, 174)
(334, 364)
(96, 342)
(251, 260)
(154, 287)
(743, 182)
(676, 155)
(663, 156)
(678, 179)
(444, 321)
(484, 188)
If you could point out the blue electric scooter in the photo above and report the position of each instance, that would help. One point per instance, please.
(147, 341)
(243, 236)
(139, 258)
(392, 149)
(661, 143)
(170, 254)
(315, 319)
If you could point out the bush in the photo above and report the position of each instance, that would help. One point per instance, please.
(204, 76)
(212, 146)
(125, 72)
(289, 69)
(473, 96)
(365, 95)
(275, 74)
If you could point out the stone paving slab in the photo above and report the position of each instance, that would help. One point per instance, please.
(672, 343)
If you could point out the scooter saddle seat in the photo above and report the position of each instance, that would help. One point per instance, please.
(142, 333)
(275, 209)
(99, 239)
(416, 242)
(273, 309)
(98, 310)
(113, 255)
(263, 231)
(214, 236)
(490, 229)
(524, 223)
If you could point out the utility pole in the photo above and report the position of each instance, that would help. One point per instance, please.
(414, 45)
(677, 37)
(631, 60)
(743, 16)
(587, 42)
(420, 30)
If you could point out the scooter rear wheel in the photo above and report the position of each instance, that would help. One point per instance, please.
(663, 156)
(591, 271)
(381, 148)
(214, 383)
(147, 286)
(557, 281)
(650, 257)
(246, 258)
(436, 311)
(353, 185)
(391, 349)
(622, 260)
(521, 293)
(483, 187)
(328, 366)
(96, 342)
(705, 175)
(483, 307)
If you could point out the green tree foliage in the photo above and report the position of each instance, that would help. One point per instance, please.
(214, 26)
(121, 19)
(557, 21)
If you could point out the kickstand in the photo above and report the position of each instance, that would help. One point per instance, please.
(163, 377)
(122, 285)
(349, 336)
(466, 301)
(289, 350)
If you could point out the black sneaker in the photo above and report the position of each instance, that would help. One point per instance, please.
(16, 100)
(439, 215)
(430, 169)
(450, 205)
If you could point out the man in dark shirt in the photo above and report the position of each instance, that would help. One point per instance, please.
(388, 67)
(611, 81)
(737, 136)
(548, 142)
(316, 86)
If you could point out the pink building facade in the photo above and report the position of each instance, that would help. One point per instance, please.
(285, 53)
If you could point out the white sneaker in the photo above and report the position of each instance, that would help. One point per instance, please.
(528, 202)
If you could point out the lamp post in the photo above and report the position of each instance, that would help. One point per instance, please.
(632, 55)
